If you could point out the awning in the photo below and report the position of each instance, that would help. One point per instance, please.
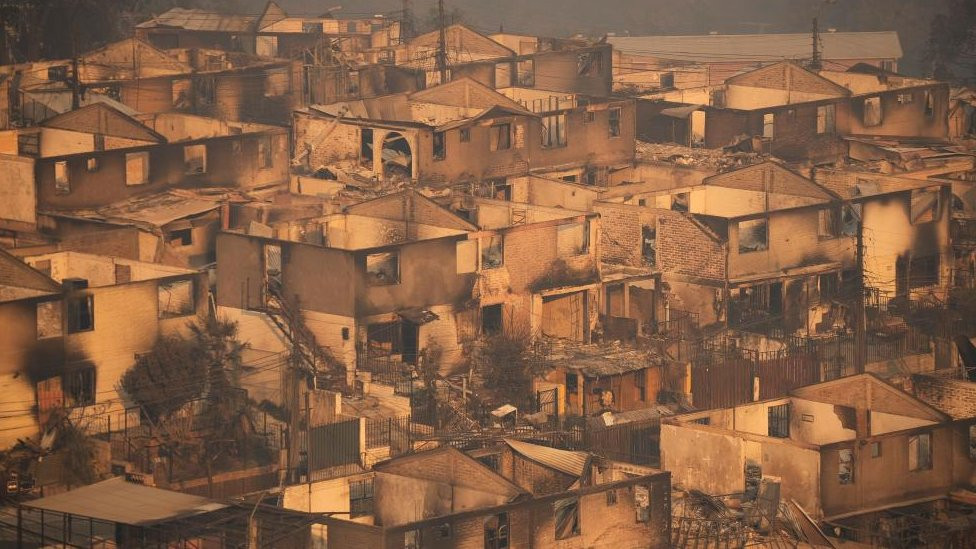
(418, 315)
(680, 112)
(117, 500)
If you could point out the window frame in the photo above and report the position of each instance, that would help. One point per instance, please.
(72, 310)
(187, 157)
(484, 250)
(361, 498)
(370, 279)
(922, 454)
(439, 146)
(145, 162)
(778, 420)
(62, 177)
(570, 508)
(498, 131)
(614, 115)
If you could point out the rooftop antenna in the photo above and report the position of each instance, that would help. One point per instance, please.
(441, 43)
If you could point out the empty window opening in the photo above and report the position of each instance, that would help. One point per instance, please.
(195, 159)
(611, 498)
(383, 269)
(440, 146)
(361, 498)
(769, 125)
(906, 98)
(49, 319)
(876, 449)
(872, 115)
(81, 313)
(845, 466)
(573, 239)
(649, 244)
(572, 384)
(79, 387)
(265, 152)
(496, 531)
(180, 237)
(366, 147)
(492, 252)
(589, 64)
(412, 540)
(667, 80)
(929, 105)
(175, 298)
(137, 168)
(123, 273)
(312, 27)
(829, 223)
(925, 206)
(501, 137)
(61, 183)
(464, 135)
(753, 235)
(91, 164)
(554, 131)
(920, 452)
(680, 202)
(614, 121)
(526, 73)
(640, 385)
(396, 154)
(779, 421)
(491, 319)
(567, 518)
(826, 120)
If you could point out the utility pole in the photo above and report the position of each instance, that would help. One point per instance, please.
(816, 62)
(441, 43)
(860, 328)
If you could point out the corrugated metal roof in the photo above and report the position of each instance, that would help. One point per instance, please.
(116, 500)
(200, 20)
(569, 462)
(712, 48)
(159, 209)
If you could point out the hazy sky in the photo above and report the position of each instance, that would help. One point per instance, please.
(595, 17)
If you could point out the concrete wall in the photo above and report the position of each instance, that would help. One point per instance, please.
(714, 460)
(18, 199)
(873, 485)
(899, 119)
(231, 161)
(126, 322)
(793, 242)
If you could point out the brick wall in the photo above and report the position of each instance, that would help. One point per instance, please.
(621, 239)
(954, 397)
(683, 247)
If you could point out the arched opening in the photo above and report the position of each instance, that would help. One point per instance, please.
(397, 158)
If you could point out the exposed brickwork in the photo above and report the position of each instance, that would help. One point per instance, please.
(683, 247)
(787, 76)
(954, 397)
(621, 239)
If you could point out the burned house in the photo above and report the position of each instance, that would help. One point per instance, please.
(273, 33)
(92, 169)
(595, 379)
(511, 494)
(835, 449)
(76, 322)
(800, 115)
(463, 132)
(507, 60)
